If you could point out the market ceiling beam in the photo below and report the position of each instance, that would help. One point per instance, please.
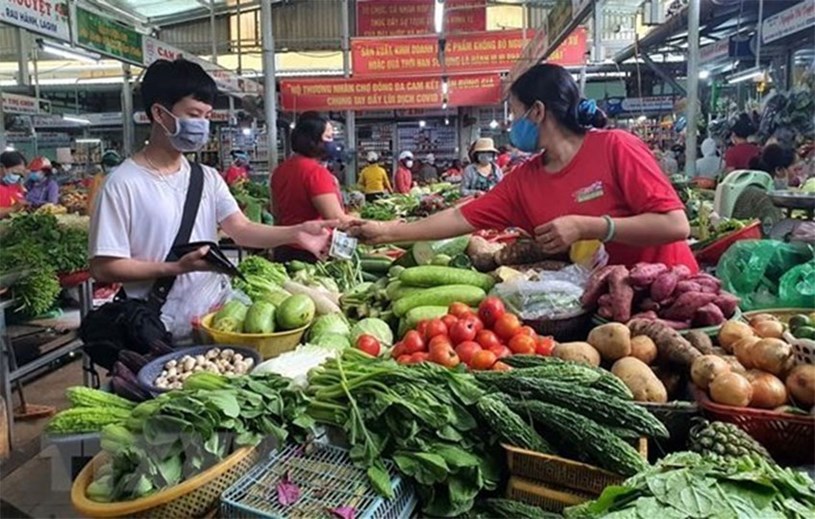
(661, 73)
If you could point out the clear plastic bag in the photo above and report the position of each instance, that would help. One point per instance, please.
(192, 297)
(548, 295)
(769, 274)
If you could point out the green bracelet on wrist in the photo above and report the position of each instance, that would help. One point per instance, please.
(612, 229)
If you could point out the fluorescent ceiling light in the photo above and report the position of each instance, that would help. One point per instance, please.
(247, 131)
(747, 75)
(445, 86)
(494, 124)
(642, 119)
(101, 80)
(88, 141)
(438, 16)
(422, 123)
(75, 119)
(704, 74)
(69, 53)
(10, 147)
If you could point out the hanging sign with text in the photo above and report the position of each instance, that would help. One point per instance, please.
(789, 21)
(411, 17)
(387, 93)
(108, 37)
(41, 16)
(154, 49)
(20, 104)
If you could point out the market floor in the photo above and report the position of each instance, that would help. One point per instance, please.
(35, 482)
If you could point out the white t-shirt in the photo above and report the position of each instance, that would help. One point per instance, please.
(137, 216)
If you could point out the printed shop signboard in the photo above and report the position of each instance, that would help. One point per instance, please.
(154, 50)
(387, 93)
(789, 21)
(40, 16)
(20, 104)
(410, 17)
(108, 37)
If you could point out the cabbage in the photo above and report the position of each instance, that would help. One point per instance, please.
(809, 186)
(329, 324)
(372, 326)
(332, 341)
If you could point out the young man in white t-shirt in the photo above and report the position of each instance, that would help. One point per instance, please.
(138, 210)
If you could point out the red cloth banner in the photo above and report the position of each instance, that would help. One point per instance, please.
(410, 17)
(572, 51)
(300, 95)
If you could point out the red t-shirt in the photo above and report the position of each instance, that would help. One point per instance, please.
(612, 174)
(740, 155)
(10, 195)
(503, 159)
(294, 184)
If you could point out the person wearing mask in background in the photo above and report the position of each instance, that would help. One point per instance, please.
(668, 163)
(779, 161)
(238, 171)
(582, 185)
(742, 152)
(302, 188)
(503, 158)
(374, 179)
(12, 169)
(110, 160)
(41, 188)
(483, 174)
(139, 208)
(453, 173)
(709, 165)
(403, 177)
(428, 172)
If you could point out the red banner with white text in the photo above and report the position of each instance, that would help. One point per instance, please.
(300, 95)
(410, 17)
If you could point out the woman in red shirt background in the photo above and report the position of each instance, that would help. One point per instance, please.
(302, 188)
(584, 185)
(742, 152)
(12, 171)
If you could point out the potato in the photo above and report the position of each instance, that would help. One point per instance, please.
(612, 340)
(731, 389)
(706, 368)
(769, 329)
(733, 331)
(644, 349)
(801, 384)
(582, 352)
(639, 378)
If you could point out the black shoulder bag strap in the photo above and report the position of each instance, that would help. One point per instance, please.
(162, 286)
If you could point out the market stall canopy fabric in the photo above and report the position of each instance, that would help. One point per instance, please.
(166, 12)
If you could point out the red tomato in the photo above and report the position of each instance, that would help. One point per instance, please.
(439, 339)
(419, 356)
(466, 350)
(501, 366)
(449, 320)
(413, 342)
(398, 350)
(421, 327)
(458, 310)
(490, 310)
(404, 359)
(442, 354)
(501, 351)
(477, 323)
(522, 344)
(487, 339)
(507, 326)
(369, 344)
(435, 327)
(528, 330)
(483, 359)
(544, 346)
(463, 330)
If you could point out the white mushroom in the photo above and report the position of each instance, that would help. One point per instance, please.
(200, 359)
(188, 364)
(227, 353)
(170, 364)
(172, 372)
(237, 357)
(211, 354)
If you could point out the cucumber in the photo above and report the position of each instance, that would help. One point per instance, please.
(373, 265)
(440, 296)
(434, 276)
(396, 290)
(424, 251)
(423, 313)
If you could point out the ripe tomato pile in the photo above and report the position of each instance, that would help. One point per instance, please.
(478, 340)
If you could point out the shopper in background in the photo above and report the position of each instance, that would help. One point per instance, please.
(40, 187)
(668, 163)
(742, 152)
(373, 178)
(709, 166)
(12, 170)
(483, 174)
(428, 172)
(779, 161)
(582, 185)
(453, 173)
(503, 158)
(140, 205)
(238, 171)
(302, 188)
(403, 177)
(110, 160)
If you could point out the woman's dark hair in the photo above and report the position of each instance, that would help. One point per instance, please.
(168, 82)
(743, 127)
(554, 86)
(774, 157)
(307, 136)
(10, 159)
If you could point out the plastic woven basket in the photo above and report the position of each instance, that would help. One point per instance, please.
(194, 497)
(326, 478)
(787, 437)
(562, 472)
(549, 497)
(677, 417)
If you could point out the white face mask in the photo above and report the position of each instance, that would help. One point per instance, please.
(191, 133)
(408, 163)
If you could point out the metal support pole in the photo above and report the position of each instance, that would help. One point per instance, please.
(3, 142)
(128, 124)
(34, 59)
(759, 31)
(213, 33)
(269, 90)
(240, 39)
(693, 87)
(23, 75)
(350, 116)
(597, 32)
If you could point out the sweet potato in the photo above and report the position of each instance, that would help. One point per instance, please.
(686, 305)
(675, 325)
(605, 300)
(701, 341)
(707, 279)
(650, 314)
(727, 303)
(672, 347)
(596, 286)
(644, 274)
(708, 315)
(687, 286)
(521, 252)
(681, 271)
(664, 286)
(622, 294)
(649, 304)
(605, 312)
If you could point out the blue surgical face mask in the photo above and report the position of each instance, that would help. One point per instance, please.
(484, 158)
(524, 134)
(191, 133)
(35, 176)
(11, 178)
(332, 152)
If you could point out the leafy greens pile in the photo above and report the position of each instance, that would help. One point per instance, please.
(688, 485)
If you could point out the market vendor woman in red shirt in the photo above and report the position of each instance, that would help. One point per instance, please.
(584, 185)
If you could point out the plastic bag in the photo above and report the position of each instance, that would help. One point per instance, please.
(548, 295)
(769, 274)
(192, 297)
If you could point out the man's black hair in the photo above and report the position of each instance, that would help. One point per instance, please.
(168, 82)
(10, 159)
